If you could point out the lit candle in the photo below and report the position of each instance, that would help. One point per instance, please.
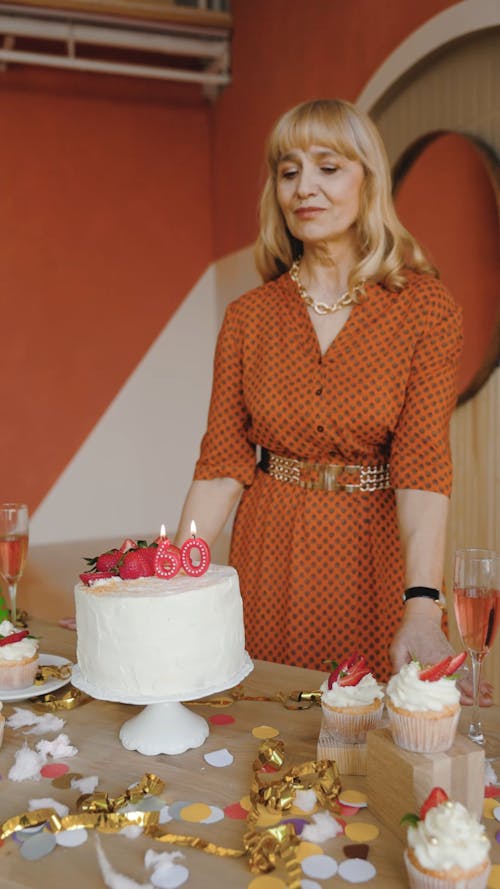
(168, 557)
(195, 543)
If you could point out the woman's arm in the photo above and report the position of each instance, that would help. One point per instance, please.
(209, 502)
(422, 517)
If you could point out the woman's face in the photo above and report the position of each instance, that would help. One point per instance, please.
(318, 192)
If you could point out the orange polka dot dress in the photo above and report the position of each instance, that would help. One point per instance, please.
(321, 572)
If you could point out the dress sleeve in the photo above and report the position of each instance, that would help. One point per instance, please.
(225, 449)
(420, 450)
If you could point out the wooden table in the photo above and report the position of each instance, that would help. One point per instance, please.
(93, 728)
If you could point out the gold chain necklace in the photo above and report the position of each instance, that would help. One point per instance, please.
(347, 299)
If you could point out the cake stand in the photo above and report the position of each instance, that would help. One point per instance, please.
(165, 725)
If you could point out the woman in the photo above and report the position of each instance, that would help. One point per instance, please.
(341, 367)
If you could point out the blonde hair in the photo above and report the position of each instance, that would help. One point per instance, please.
(386, 248)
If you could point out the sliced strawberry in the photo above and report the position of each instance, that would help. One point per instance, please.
(89, 577)
(127, 544)
(135, 563)
(435, 671)
(435, 798)
(355, 674)
(456, 662)
(343, 667)
(108, 561)
(14, 637)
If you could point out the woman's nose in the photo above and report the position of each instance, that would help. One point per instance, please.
(306, 183)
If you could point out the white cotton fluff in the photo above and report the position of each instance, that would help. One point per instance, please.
(85, 785)
(22, 717)
(60, 746)
(323, 828)
(27, 765)
(111, 877)
(305, 800)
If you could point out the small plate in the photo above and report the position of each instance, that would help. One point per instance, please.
(33, 691)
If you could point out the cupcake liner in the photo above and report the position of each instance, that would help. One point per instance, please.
(350, 725)
(351, 759)
(419, 879)
(423, 732)
(19, 674)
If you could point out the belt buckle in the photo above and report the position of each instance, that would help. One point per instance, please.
(328, 475)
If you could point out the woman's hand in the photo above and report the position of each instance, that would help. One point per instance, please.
(420, 636)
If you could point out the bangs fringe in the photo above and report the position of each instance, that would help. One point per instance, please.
(314, 125)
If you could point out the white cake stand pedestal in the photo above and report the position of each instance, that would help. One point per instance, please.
(165, 725)
(164, 728)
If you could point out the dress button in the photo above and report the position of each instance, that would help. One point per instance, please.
(319, 391)
(321, 428)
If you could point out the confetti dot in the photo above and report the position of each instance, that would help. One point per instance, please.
(268, 767)
(175, 809)
(264, 731)
(149, 804)
(321, 866)
(494, 877)
(304, 850)
(361, 831)
(245, 803)
(309, 884)
(497, 836)
(195, 813)
(216, 814)
(489, 805)
(38, 846)
(71, 838)
(298, 823)
(54, 770)
(219, 758)
(492, 790)
(221, 719)
(358, 850)
(353, 798)
(235, 811)
(348, 811)
(496, 813)
(266, 882)
(356, 870)
(64, 781)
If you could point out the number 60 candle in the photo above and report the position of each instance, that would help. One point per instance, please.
(168, 557)
(195, 543)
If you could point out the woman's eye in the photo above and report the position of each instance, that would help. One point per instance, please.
(329, 168)
(288, 173)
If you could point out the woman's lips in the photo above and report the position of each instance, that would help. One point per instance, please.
(308, 212)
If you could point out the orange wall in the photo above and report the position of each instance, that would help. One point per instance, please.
(105, 225)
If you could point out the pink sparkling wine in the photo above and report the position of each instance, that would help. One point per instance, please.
(13, 551)
(477, 610)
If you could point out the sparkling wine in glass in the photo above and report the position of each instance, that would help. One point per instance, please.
(13, 547)
(476, 592)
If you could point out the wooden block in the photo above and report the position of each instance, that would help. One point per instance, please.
(350, 758)
(399, 781)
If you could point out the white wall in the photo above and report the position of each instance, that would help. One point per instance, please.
(132, 472)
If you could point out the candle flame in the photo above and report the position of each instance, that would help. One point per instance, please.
(163, 532)
(193, 529)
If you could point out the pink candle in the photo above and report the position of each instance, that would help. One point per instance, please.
(168, 557)
(195, 543)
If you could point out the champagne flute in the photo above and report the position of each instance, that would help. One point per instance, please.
(476, 591)
(13, 547)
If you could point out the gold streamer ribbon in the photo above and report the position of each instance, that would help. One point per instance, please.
(65, 700)
(51, 671)
(293, 700)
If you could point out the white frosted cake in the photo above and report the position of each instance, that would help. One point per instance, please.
(174, 639)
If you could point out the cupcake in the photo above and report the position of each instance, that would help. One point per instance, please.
(423, 705)
(18, 657)
(351, 702)
(447, 847)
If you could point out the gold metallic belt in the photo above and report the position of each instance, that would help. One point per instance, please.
(325, 476)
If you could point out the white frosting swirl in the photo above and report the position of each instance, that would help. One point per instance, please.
(449, 836)
(408, 691)
(16, 651)
(365, 692)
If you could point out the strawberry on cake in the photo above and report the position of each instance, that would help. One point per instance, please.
(447, 847)
(423, 704)
(352, 704)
